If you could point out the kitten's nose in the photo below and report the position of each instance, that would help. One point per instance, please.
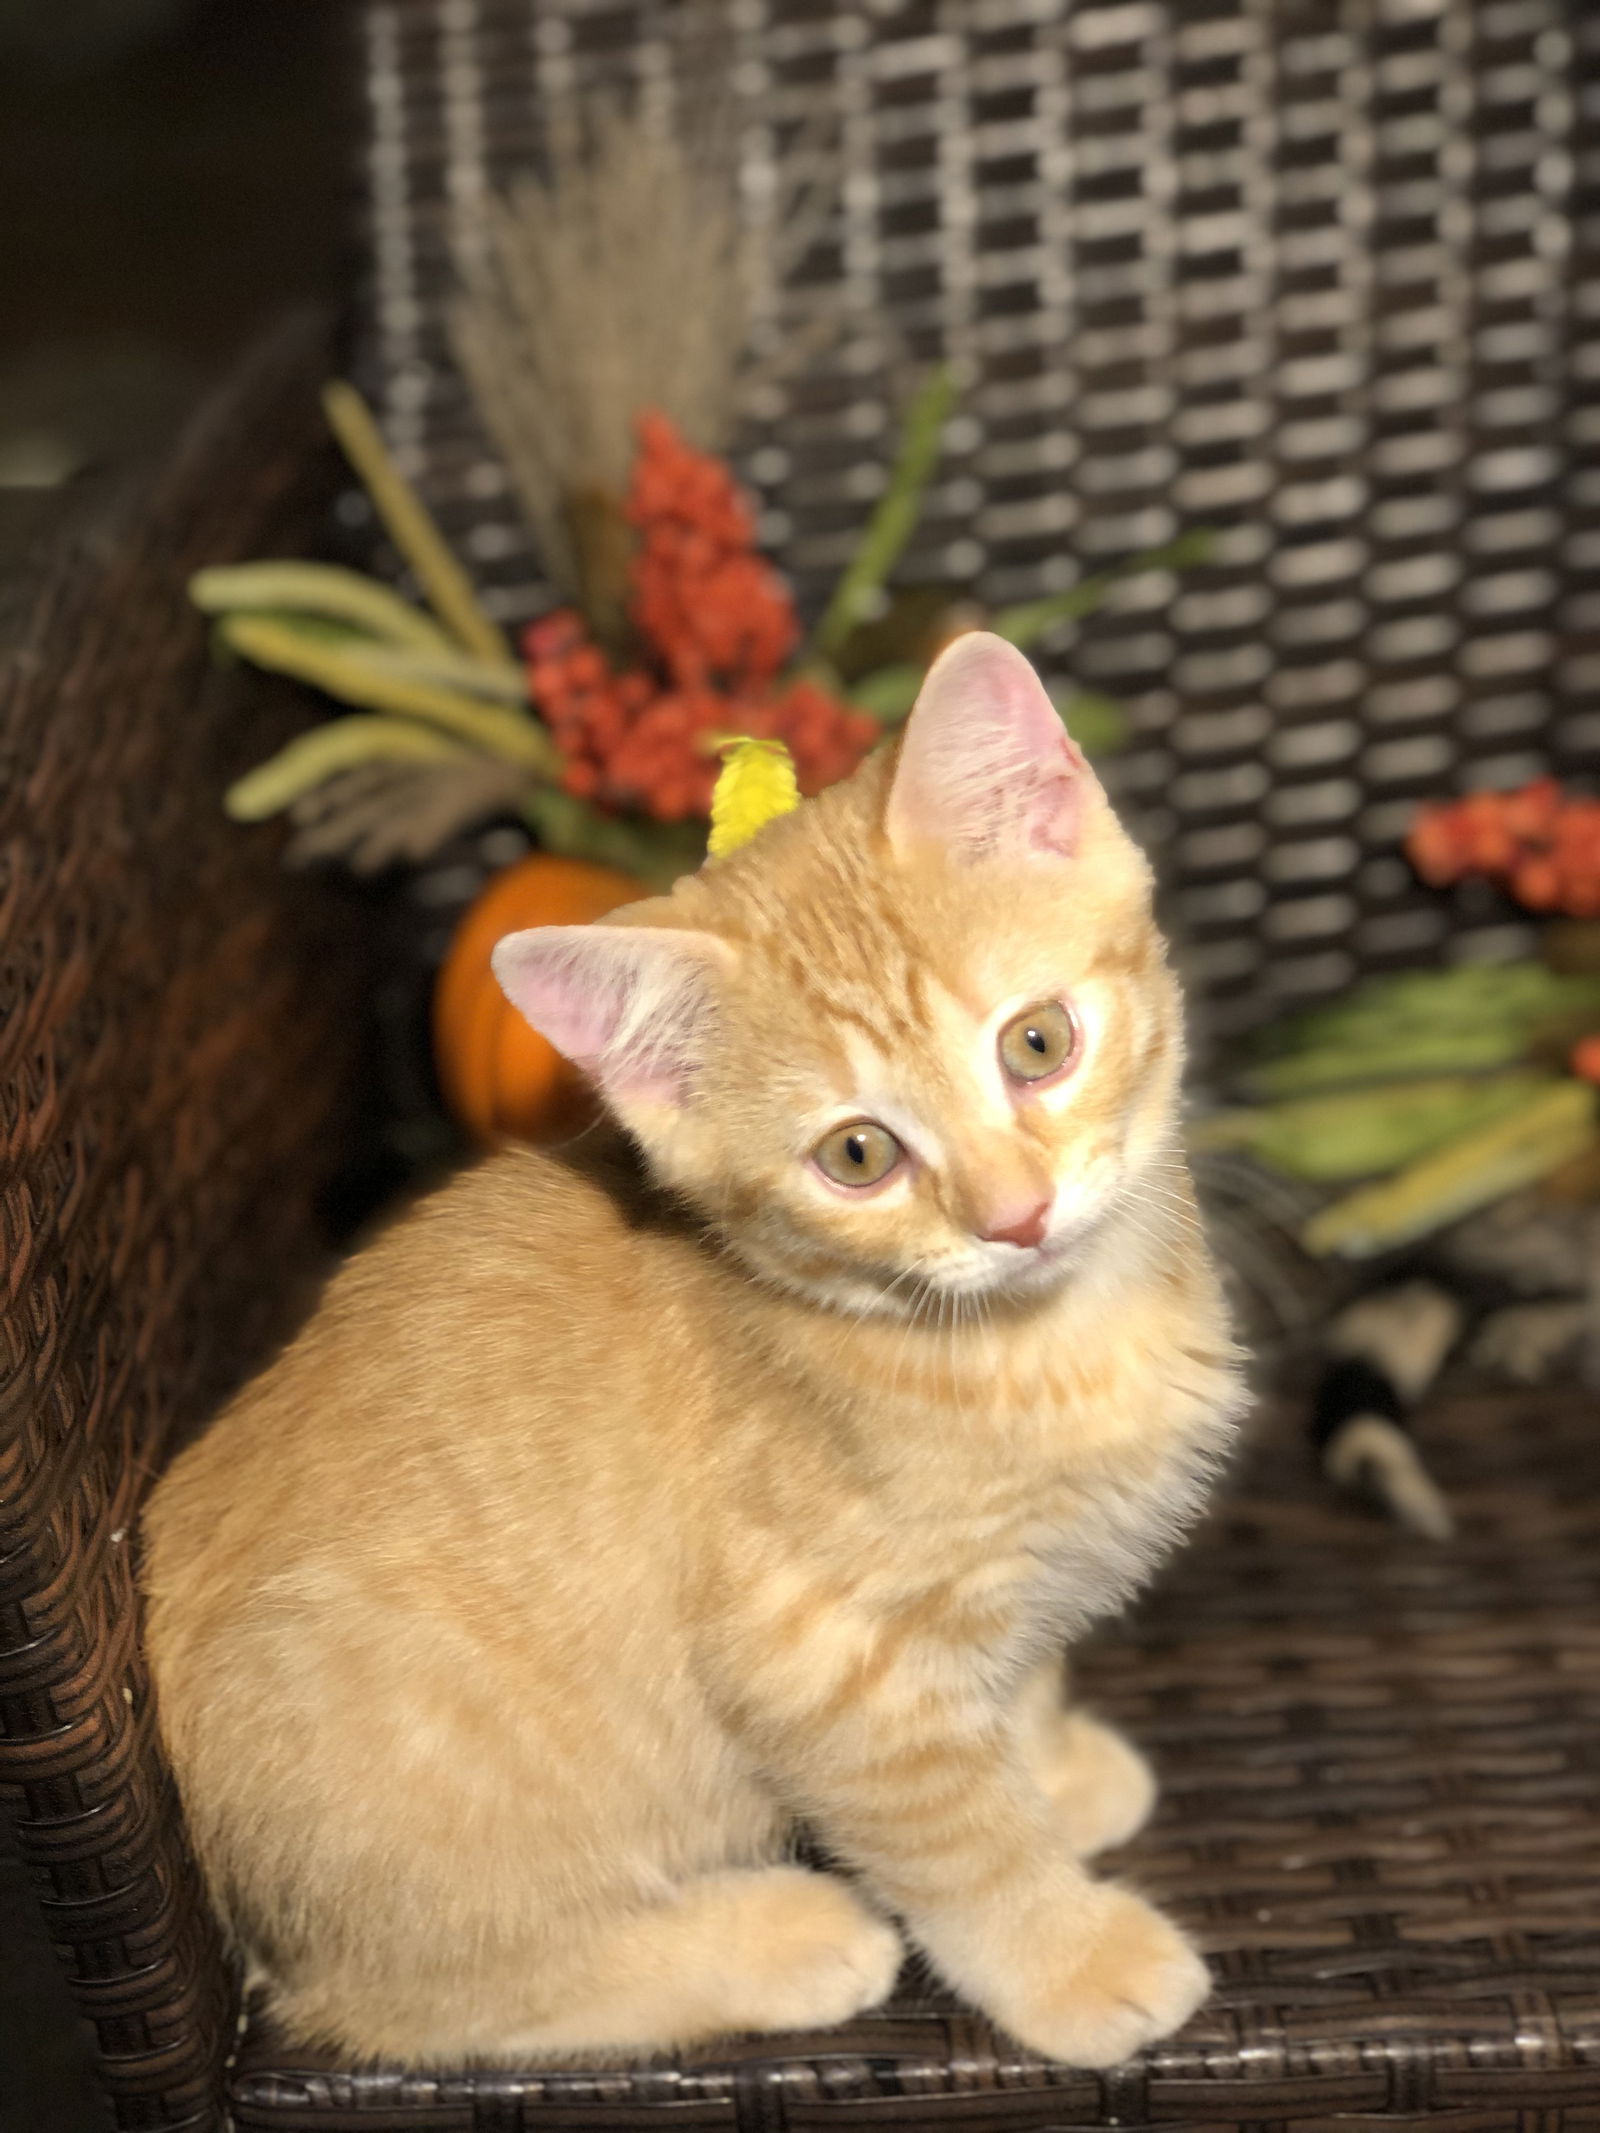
(1028, 1229)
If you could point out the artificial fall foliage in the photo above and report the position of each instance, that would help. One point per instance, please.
(604, 734)
(713, 625)
(1419, 1096)
(1541, 844)
(1538, 843)
(1446, 1089)
(635, 246)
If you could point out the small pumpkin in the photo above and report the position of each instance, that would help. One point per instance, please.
(500, 1077)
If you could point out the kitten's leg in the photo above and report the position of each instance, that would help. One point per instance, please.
(1099, 1784)
(761, 1949)
(926, 1795)
(771, 1949)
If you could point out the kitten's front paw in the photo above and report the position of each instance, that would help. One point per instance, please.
(819, 1956)
(1101, 1787)
(1130, 1979)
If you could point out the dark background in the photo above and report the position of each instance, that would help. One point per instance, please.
(172, 173)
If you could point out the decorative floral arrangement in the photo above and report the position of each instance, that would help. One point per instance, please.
(714, 628)
(1542, 846)
(1417, 1098)
(608, 750)
(1427, 1095)
(603, 725)
(605, 735)
(1538, 843)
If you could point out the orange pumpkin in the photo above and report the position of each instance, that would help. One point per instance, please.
(499, 1076)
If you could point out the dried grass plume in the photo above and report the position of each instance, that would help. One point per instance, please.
(623, 278)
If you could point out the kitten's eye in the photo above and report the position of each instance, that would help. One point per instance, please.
(1038, 1042)
(858, 1154)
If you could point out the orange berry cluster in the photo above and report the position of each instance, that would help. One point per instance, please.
(716, 623)
(1538, 843)
(702, 597)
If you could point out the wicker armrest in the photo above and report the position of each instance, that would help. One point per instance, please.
(176, 1043)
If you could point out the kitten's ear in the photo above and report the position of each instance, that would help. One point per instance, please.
(628, 1004)
(986, 766)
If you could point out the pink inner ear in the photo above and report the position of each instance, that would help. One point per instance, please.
(627, 1004)
(986, 766)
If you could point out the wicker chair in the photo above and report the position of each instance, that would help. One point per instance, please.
(1382, 1789)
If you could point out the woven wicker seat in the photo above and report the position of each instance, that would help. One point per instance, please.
(1381, 1816)
(1381, 1802)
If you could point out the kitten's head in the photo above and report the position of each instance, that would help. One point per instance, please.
(918, 1035)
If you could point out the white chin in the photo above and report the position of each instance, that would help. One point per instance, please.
(1023, 1274)
(1044, 1270)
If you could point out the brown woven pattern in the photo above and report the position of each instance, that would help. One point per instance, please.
(173, 1039)
(1381, 1815)
(1323, 277)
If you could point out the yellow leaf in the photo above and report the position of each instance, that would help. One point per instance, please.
(756, 784)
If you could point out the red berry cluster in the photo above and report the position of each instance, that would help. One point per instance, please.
(702, 597)
(1536, 842)
(717, 625)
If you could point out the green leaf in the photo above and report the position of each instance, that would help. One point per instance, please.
(312, 758)
(895, 518)
(1468, 1172)
(656, 852)
(888, 694)
(1026, 623)
(1099, 726)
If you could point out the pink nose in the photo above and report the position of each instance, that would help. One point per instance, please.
(1027, 1230)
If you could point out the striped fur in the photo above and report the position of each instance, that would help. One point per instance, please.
(604, 1528)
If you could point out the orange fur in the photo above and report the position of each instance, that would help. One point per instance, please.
(607, 1524)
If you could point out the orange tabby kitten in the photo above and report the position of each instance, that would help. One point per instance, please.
(602, 1528)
